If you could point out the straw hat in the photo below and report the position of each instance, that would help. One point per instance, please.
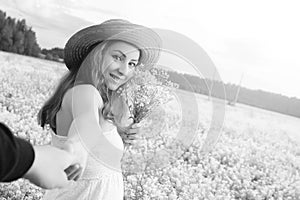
(82, 42)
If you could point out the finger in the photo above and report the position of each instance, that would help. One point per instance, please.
(131, 142)
(67, 159)
(133, 131)
(128, 143)
(130, 137)
(70, 156)
(71, 169)
(76, 178)
(76, 174)
(136, 125)
(68, 146)
(130, 121)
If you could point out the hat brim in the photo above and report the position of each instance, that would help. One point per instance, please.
(82, 42)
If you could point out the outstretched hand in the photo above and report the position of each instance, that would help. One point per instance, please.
(55, 167)
(48, 168)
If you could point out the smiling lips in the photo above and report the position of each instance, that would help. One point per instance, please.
(114, 77)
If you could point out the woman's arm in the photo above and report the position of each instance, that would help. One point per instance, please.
(83, 102)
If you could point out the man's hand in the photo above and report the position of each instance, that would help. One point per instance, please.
(48, 168)
(74, 145)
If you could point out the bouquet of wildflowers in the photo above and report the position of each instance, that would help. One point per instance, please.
(147, 90)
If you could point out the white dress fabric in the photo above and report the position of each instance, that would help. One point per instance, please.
(98, 181)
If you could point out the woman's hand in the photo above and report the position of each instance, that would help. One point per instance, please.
(74, 172)
(128, 135)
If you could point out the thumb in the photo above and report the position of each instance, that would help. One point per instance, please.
(77, 153)
(130, 121)
(70, 155)
(68, 146)
(136, 125)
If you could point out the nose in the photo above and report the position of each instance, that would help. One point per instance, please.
(123, 69)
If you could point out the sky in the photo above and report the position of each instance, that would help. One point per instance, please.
(258, 40)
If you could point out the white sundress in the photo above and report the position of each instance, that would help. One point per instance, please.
(98, 181)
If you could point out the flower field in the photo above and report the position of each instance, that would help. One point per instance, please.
(257, 156)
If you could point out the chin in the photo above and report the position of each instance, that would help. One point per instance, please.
(112, 87)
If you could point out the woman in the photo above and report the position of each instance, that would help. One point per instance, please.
(100, 59)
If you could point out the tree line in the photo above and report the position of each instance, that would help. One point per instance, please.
(258, 98)
(17, 37)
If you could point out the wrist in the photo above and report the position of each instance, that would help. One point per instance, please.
(31, 171)
(28, 157)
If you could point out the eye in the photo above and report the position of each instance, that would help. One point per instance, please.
(116, 57)
(132, 64)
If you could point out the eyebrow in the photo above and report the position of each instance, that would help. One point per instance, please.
(124, 55)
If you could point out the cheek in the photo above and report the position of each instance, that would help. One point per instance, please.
(130, 75)
(108, 64)
(106, 73)
(107, 68)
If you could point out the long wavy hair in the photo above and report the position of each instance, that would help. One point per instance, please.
(90, 72)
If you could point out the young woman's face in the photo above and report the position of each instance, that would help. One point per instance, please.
(120, 60)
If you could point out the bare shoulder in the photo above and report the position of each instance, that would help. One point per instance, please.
(82, 97)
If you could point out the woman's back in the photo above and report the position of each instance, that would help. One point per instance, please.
(99, 180)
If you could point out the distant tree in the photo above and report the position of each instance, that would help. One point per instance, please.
(2, 20)
(17, 37)
(57, 53)
(31, 48)
(6, 37)
(55, 57)
(49, 56)
(18, 42)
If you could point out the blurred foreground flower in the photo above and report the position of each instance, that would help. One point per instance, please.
(147, 90)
